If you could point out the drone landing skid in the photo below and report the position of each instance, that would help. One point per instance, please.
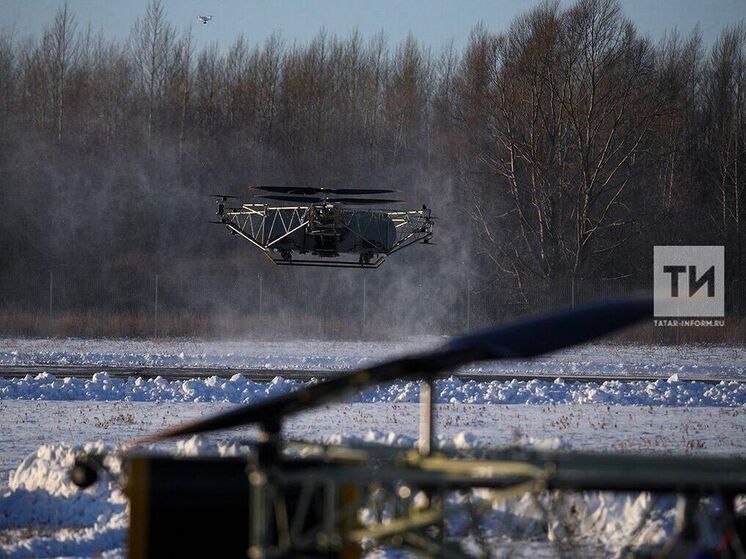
(329, 264)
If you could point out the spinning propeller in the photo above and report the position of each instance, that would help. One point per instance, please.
(310, 190)
(337, 200)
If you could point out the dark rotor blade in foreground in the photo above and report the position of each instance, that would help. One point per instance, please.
(526, 338)
(309, 190)
(317, 200)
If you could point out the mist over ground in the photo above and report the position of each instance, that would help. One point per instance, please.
(554, 155)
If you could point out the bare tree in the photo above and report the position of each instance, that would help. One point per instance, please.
(61, 48)
(725, 132)
(237, 91)
(8, 77)
(111, 91)
(151, 40)
(34, 99)
(268, 68)
(406, 98)
(180, 82)
(208, 89)
(569, 106)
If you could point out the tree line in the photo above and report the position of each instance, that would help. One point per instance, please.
(556, 153)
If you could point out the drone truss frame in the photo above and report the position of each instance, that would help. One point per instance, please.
(264, 226)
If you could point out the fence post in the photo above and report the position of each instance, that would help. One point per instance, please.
(260, 294)
(51, 310)
(468, 303)
(572, 287)
(155, 308)
(364, 299)
(308, 298)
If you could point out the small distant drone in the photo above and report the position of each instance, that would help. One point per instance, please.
(204, 19)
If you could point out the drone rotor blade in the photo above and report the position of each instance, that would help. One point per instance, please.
(522, 339)
(358, 191)
(225, 196)
(364, 201)
(311, 190)
(299, 190)
(303, 199)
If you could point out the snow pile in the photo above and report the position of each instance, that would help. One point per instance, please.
(101, 387)
(240, 390)
(600, 523)
(49, 516)
(373, 436)
(200, 446)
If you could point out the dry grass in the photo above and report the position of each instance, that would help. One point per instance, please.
(142, 325)
(734, 332)
(92, 324)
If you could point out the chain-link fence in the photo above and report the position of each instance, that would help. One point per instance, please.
(230, 301)
(349, 303)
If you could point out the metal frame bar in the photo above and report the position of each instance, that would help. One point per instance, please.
(329, 264)
(251, 222)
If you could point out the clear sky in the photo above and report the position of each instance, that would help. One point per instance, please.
(433, 22)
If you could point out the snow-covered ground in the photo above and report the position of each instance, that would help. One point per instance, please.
(717, 361)
(41, 513)
(44, 420)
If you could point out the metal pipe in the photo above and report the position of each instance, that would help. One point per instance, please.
(427, 409)
(51, 314)
(155, 308)
(364, 301)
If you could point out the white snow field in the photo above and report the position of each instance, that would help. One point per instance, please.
(717, 361)
(42, 514)
(45, 420)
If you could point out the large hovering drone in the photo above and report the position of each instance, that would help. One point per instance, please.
(328, 224)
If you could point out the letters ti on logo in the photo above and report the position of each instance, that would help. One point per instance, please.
(689, 281)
